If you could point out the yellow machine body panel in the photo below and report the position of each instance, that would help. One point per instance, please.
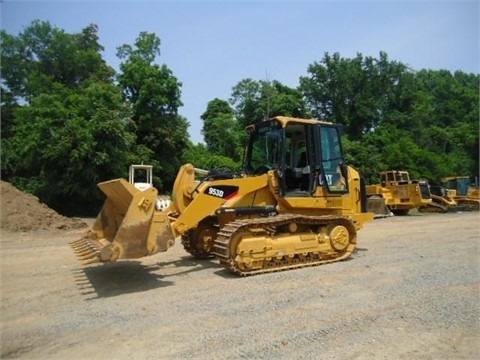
(324, 203)
(209, 196)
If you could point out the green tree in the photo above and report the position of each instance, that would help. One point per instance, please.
(254, 101)
(202, 158)
(451, 121)
(154, 94)
(220, 130)
(42, 57)
(359, 93)
(67, 123)
(78, 139)
(425, 122)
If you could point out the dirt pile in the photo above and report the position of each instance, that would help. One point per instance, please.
(20, 211)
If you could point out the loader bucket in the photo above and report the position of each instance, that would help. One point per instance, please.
(127, 227)
(378, 206)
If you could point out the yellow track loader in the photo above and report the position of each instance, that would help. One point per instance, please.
(441, 202)
(464, 190)
(397, 193)
(296, 203)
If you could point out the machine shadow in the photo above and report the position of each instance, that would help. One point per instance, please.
(129, 276)
(113, 279)
(192, 264)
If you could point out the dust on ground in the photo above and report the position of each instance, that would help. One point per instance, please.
(23, 212)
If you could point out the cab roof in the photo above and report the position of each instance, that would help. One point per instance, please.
(286, 119)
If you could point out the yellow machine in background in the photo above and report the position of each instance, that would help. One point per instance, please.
(458, 193)
(295, 204)
(464, 190)
(441, 203)
(397, 193)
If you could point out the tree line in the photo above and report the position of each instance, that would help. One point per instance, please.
(69, 120)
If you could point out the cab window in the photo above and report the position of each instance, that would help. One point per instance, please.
(332, 160)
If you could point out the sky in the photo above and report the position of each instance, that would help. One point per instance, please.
(211, 46)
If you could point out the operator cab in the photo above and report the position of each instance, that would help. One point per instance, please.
(460, 184)
(305, 154)
(394, 177)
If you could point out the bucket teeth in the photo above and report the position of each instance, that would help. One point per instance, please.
(86, 250)
(80, 249)
(87, 255)
(79, 243)
(83, 252)
(84, 244)
(91, 261)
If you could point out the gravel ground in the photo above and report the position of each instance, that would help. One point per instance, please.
(411, 291)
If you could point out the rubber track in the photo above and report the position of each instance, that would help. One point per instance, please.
(224, 236)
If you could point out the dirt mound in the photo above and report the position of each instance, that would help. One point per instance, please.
(20, 211)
